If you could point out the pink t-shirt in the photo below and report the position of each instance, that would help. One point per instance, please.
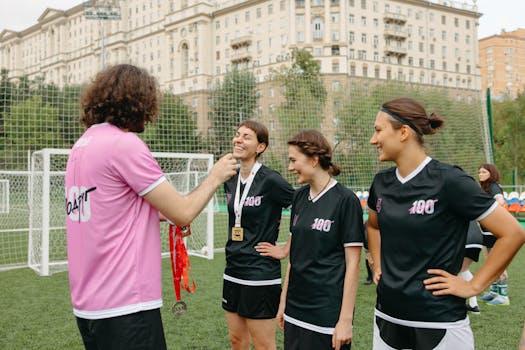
(113, 233)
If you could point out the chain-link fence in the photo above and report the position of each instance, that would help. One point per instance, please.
(34, 116)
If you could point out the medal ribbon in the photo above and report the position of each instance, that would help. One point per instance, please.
(180, 262)
(239, 203)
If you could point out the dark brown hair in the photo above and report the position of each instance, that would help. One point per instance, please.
(312, 143)
(123, 95)
(493, 178)
(413, 112)
(260, 131)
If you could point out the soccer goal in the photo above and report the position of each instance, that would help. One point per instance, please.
(47, 252)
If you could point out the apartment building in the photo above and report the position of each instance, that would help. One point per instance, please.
(502, 63)
(189, 45)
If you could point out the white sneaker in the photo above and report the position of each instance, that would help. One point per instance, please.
(500, 300)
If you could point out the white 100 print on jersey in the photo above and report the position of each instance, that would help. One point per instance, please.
(423, 206)
(78, 204)
(322, 224)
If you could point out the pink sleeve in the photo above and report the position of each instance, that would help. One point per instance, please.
(136, 166)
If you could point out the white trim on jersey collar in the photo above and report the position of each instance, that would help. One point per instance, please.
(333, 182)
(414, 173)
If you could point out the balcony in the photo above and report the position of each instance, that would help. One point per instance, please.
(240, 56)
(241, 41)
(394, 17)
(395, 50)
(395, 32)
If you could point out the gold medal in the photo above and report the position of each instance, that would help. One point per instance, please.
(237, 234)
(178, 309)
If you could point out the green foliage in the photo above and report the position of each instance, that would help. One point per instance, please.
(304, 92)
(32, 125)
(359, 103)
(175, 129)
(509, 140)
(235, 99)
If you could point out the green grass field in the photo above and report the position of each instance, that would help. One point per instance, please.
(36, 312)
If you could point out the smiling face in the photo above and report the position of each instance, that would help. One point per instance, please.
(483, 174)
(386, 138)
(245, 144)
(301, 165)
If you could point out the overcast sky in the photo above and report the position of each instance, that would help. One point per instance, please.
(497, 14)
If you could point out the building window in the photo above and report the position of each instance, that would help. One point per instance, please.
(365, 70)
(335, 50)
(299, 3)
(335, 67)
(443, 19)
(185, 60)
(318, 28)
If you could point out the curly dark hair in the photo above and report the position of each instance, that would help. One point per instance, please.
(312, 143)
(123, 95)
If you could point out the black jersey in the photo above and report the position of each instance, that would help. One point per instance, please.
(261, 217)
(423, 221)
(321, 229)
(495, 190)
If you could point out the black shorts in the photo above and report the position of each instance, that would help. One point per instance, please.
(472, 253)
(255, 302)
(141, 330)
(388, 335)
(489, 240)
(298, 338)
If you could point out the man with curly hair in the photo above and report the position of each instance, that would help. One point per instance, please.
(115, 191)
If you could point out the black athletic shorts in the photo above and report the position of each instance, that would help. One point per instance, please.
(255, 302)
(141, 330)
(472, 253)
(489, 240)
(298, 338)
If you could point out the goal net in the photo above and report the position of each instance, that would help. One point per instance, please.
(47, 252)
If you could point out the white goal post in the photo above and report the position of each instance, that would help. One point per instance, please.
(47, 232)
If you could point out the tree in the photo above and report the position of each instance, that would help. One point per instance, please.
(304, 92)
(30, 126)
(461, 142)
(234, 100)
(175, 129)
(509, 143)
(6, 93)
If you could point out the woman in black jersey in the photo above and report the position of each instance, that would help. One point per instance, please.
(419, 212)
(252, 282)
(488, 176)
(317, 302)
